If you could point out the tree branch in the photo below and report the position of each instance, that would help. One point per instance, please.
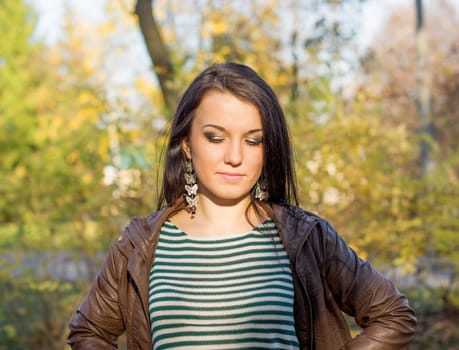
(158, 52)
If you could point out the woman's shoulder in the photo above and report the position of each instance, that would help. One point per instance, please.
(296, 213)
(298, 222)
(148, 225)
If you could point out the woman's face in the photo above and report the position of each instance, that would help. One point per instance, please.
(226, 147)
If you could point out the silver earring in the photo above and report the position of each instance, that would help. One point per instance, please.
(191, 187)
(260, 191)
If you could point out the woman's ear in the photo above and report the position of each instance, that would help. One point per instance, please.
(186, 148)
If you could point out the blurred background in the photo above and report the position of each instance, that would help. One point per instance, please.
(87, 90)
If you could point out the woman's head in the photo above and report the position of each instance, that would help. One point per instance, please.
(245, 84)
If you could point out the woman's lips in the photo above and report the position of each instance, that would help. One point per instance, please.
(231, 176)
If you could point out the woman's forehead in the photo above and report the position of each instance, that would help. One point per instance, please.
(227, 111)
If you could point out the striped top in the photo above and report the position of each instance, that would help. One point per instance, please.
(230, 292)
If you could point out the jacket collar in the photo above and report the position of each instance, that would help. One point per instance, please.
(293, 224)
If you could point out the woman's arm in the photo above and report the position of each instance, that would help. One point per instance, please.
(98, 322)
(386, 318)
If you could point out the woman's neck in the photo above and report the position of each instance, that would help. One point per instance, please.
(213, 219)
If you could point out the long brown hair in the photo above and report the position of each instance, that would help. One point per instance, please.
(244, 83)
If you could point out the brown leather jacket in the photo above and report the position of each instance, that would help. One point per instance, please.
(328, 278)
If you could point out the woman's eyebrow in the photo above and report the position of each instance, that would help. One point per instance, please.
(221, 128)
(214, 126)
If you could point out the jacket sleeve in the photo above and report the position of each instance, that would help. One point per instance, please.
(98, 322)
(383, 313)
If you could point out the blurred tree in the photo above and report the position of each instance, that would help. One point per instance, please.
(52, 199)
(351, 169)
(390, 71)
(390, 80)
(52, 151)
(424, 95)
(17, 133)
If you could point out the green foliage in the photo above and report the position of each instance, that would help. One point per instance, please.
(351, 169)
(52, 150)
(35, 311)
(16, 108)
(437, 329)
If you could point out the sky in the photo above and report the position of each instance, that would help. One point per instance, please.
(51, 12)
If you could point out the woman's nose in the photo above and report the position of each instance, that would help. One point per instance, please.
(233, 154)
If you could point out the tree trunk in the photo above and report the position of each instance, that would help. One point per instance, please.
(424, 97)
(158, 52)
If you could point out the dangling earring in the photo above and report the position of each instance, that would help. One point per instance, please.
(260, 191)
(191, 187)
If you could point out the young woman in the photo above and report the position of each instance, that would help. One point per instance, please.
(229, 261)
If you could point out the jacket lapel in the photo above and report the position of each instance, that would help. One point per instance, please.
(143, 234)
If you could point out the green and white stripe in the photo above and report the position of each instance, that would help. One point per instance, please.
(233, 292)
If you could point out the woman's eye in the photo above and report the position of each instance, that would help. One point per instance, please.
(254, 141)
(214, 138)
